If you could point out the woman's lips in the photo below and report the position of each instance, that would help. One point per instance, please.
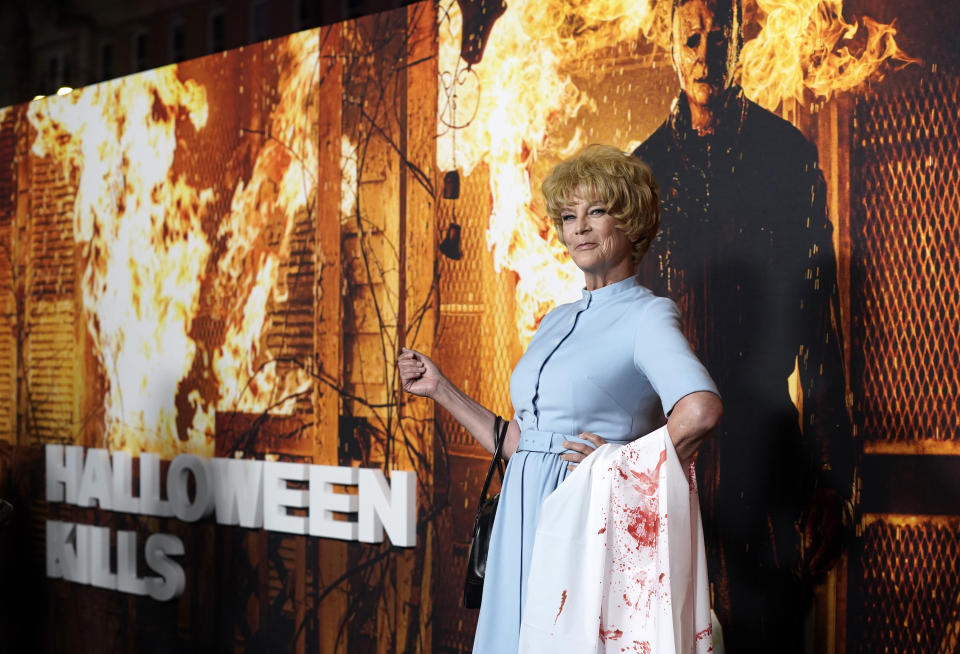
(586, 246)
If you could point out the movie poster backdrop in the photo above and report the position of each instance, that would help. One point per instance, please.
(208, 270)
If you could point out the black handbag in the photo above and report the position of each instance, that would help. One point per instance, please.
(483, 524)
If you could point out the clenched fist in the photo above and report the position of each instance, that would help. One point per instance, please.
(418, 373)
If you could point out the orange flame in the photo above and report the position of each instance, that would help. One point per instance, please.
(143, 245)
(282, 185)
(506, 105)
(349, 179)
(807, 44)
(519, 89)
(146, 253)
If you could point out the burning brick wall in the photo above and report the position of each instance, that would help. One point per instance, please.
(202, 202)
(8, 303)
(41, 264)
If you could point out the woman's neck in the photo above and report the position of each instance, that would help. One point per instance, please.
(599, 279)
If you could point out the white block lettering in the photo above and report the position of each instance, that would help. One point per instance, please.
(123, 499)
(127, 579)
(393, 507)
(63, 477)
(96, 483)
(68, 551)
(100, 574)
(238, 492)
(324, 502)
(172, 580)
(277, 497)
(178, 478)
(150, 502)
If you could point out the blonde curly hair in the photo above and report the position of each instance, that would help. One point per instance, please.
(624, 183)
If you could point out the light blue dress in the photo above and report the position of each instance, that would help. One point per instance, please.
(612, 363)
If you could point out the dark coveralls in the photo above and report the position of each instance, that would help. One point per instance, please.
(745, 250)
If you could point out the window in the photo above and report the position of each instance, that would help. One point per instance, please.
(139, 50)
(178, 40)
(216, 31)
(106, 67)
(259, 21)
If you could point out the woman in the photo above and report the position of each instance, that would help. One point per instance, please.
(606, 368)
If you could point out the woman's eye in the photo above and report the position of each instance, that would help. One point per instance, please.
(567, 216)
(693, 41)
(598, 211)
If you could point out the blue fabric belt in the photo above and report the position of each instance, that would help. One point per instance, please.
(533, 440)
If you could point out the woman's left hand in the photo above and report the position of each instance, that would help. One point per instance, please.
(581, 450)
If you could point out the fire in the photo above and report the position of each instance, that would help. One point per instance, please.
(349, 180)
(807, 44)
(518, 90)
(147, 256)
(142, 243)
(507, 103)
(283, 184)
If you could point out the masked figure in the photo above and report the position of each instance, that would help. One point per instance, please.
(745, 249)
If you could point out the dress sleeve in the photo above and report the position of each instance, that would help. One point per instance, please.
(663, 355)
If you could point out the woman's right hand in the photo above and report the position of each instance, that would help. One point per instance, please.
(418, 373)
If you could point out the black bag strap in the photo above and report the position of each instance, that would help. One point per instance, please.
(499, 434)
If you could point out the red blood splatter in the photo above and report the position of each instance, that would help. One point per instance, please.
(563, 600)
(627, 600)
(602, 530)
(645, 526)
(645, 520)
(706, 632)
(642, 647)
(662, 575)
(649, 481)
(692, 475)
(611, 634)
(622, 473)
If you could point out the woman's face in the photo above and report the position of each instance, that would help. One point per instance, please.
(593, 237)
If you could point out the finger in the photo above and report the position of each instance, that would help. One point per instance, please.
(408, 372)
(577, 447)
(574, 458)
(408, 354)
(593, 438)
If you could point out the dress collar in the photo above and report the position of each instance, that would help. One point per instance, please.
(610, 291)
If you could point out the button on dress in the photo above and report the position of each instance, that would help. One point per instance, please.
(612, 363)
